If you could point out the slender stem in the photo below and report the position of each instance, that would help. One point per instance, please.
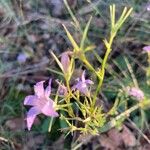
(50, 124)
(69, 90)
(86, 62)
(102, 73)
(78, 146)
(113, 122)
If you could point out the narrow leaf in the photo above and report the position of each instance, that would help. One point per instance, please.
(85, 34)
(57, 60)
(74, 44)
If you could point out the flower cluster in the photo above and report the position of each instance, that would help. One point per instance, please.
(41, 103)
(75, 100)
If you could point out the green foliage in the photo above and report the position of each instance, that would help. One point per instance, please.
(93, 118)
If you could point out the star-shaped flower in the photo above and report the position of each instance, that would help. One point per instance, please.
(82, 84)
(40, 102)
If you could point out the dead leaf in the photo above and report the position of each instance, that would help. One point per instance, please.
(33, 141)
(128, 137)
(15, 124)
(115, 135)
(58, 7)
(107, 143)
(145, 147)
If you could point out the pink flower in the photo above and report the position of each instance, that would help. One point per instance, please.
(65, 61)
(148, 7)
(82, 85)
(146, 48)
(22, 57)
(136, 93)
(62, 89)
(40, 102)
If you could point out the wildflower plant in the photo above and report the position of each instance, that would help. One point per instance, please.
(76, 103)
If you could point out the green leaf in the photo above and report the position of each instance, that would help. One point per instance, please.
(73, 42)
(57, 60)
(47, 124)
(85, 34)
(55, 71)
(89, 48)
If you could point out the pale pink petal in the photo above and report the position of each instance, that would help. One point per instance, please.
(39, 89)
(73, 87)
(31, 115)
(48, 110)
(146, 48)
(22, 58)
(89, 82)
(84, 90)
(83, 76)
(148, 7)
(77, 79)
(48, 89)
(62, 90)
(136, 92)
(82, 87)
(30, 100)
(65, 61)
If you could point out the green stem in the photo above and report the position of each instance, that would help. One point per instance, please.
(50, 124)
(88, 64)
(113, 122)
(85, 61)
(102, 72)
(69, 90)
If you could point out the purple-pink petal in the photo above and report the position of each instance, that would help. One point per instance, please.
(62, 90)
(39, 89)
(89, 82)
(30, 100)
(136, 92)
(84, 91)
(83, 76)
(148, 7)
(82, 84)
(146, 48)
(48, 109)
(41, 103)
(65, 61)
(82, 87)
(22, 58)
(48, 89)
(31, 115)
